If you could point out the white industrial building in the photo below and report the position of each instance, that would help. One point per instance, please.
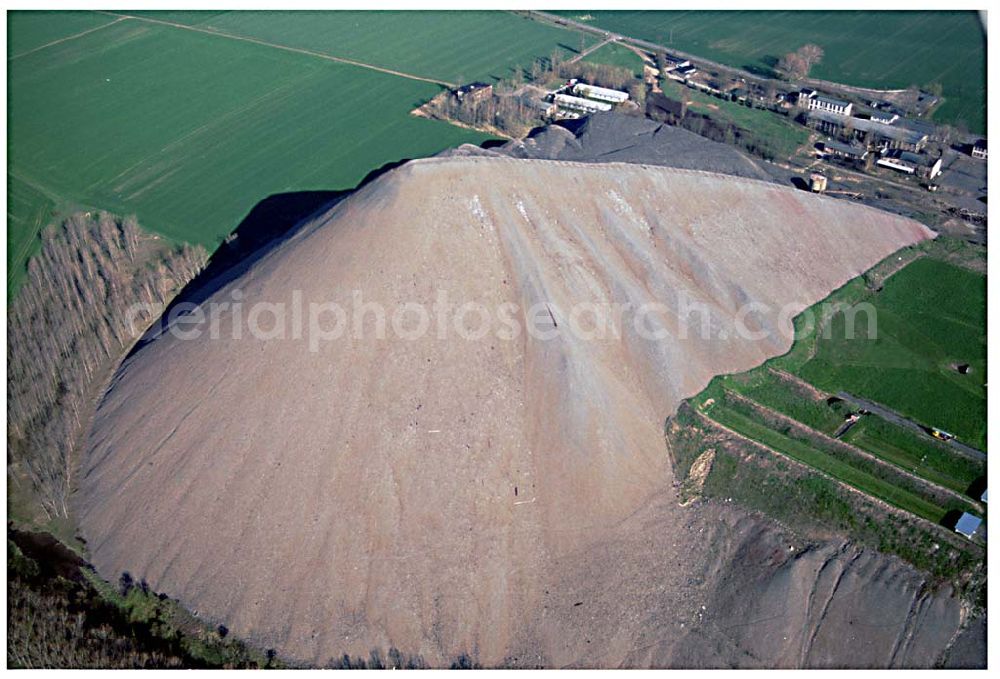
(818, 102)
(599, 93)
(580, 104)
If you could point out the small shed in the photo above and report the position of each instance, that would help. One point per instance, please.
(476, 91)
(968, 524)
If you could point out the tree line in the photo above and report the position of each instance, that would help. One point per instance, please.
(67, 328)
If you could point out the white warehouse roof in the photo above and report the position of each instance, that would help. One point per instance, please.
(579, 104)
(601, 93)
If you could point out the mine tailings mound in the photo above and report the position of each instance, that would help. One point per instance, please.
(451, 496)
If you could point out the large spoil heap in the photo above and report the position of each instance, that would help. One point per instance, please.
(506, 498)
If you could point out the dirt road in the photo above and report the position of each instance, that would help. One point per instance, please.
(896, 418)
(297, 50)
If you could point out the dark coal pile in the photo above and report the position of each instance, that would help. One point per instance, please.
(617, 138)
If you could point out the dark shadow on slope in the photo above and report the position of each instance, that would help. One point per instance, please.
(801, 184)
(951, 518)
(269, 223)
(977, 488)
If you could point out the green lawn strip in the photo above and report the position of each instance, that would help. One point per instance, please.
(909, 451)
(762, 386)
(821, 461)
(779, 132)
(618, 55)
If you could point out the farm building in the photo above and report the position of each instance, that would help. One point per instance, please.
(477, 91)
(866, 131)
(580, 104)
(968, 524)
(599, 93)
(919, 164)
(803, 96)
(979, 149)
(852, 151)
(544, 108)
(818, 102)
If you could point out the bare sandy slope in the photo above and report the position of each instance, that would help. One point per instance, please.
(363, 495)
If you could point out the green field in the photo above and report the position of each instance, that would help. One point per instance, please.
(929, 316)
(901, 447)
(780, 134)
(450, 46)
(614, 54)
(836, 468)
(189, 130)
(27, 31)
(764, 388)
(922, 456)
(884, 50)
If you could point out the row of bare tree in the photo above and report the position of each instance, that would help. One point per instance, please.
(67, 327)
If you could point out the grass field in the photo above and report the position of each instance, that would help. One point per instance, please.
(614, 54)
(836, 468)
(930, 316)
(189, 130)
(781, 134)
(27, 31)
(450, 46)
(922, 456)
(884, 50)
(764, 388)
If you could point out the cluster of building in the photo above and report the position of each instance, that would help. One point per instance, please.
(572, 100)
(575, 99)
(872, 134)
(894, 142)
(677, 67)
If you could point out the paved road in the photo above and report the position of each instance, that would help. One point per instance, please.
(896, 418)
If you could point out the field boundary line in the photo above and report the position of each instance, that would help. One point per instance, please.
(287, 48)
(856, 450)
(943, 532)
(66, 39)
